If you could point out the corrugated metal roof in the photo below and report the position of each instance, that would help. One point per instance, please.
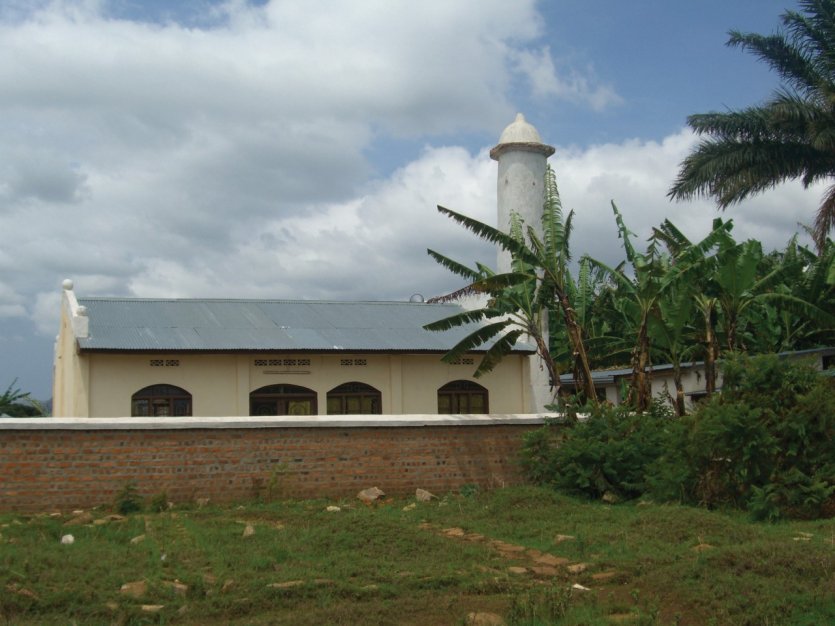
(127, 324)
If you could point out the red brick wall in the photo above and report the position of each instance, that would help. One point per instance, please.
(44, 470)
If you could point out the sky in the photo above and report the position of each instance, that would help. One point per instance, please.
(298, 148)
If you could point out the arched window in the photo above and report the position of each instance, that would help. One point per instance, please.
(160, 401)
(282, 400)
(354, 399)
(462, 396)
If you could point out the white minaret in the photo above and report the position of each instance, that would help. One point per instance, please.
(522, 159)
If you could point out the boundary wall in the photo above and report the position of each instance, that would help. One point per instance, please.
(49, 464)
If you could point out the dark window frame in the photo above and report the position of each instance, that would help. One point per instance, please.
(462, 392)
(280, 397)
(154, 397)
(364, 393)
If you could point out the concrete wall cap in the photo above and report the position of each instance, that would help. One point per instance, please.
(321, 421)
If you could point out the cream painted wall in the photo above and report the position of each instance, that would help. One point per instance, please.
(70, 385)
(220, 384)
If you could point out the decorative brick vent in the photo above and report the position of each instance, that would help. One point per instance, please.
(164, 363)
(281, 362)
(353, 362)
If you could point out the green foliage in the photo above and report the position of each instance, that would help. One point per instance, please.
(607, 452)
(128, 499)
(16, 403)
(763, 444)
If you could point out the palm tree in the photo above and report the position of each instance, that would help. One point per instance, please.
(790, 136)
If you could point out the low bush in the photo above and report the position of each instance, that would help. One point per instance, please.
(763, 444)
(607, 452)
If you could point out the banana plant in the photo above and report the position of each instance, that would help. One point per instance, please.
(689, 278)
(519, 301)
(638, 302)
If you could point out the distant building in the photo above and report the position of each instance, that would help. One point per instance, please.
(612, 383)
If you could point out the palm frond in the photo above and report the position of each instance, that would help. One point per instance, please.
(490, 234)
(454, 266)
(497, 351)
(459, 319)
(475, 339)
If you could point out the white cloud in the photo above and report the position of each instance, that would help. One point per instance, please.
(570, 84)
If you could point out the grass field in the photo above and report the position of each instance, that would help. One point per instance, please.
(516, 553)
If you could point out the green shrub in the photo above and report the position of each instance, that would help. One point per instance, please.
(608, 452)
(128, 499)
(764, 443)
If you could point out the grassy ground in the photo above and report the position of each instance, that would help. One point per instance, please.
(503, 552)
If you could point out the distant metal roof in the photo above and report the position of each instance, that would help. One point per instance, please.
(150, 325)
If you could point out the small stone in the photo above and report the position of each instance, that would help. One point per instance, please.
(484, 619)
(410, 507)
(80, 519)
(544, 570)
(579, 587)
(503, 546)
(371, 495)
(137, 539)
(248, 531)
(55, 514)
(135, 589)
(177, 587)
(517, 570)
(550, 559)
(561, 538)
(67, 540)
(286, 585)
(333, 509)
(152, 608)
(22, 591)
(421, 495)
(577, 568)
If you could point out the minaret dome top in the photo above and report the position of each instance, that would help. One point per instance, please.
(520, 135)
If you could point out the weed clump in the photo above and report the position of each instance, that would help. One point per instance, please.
(128, 499)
